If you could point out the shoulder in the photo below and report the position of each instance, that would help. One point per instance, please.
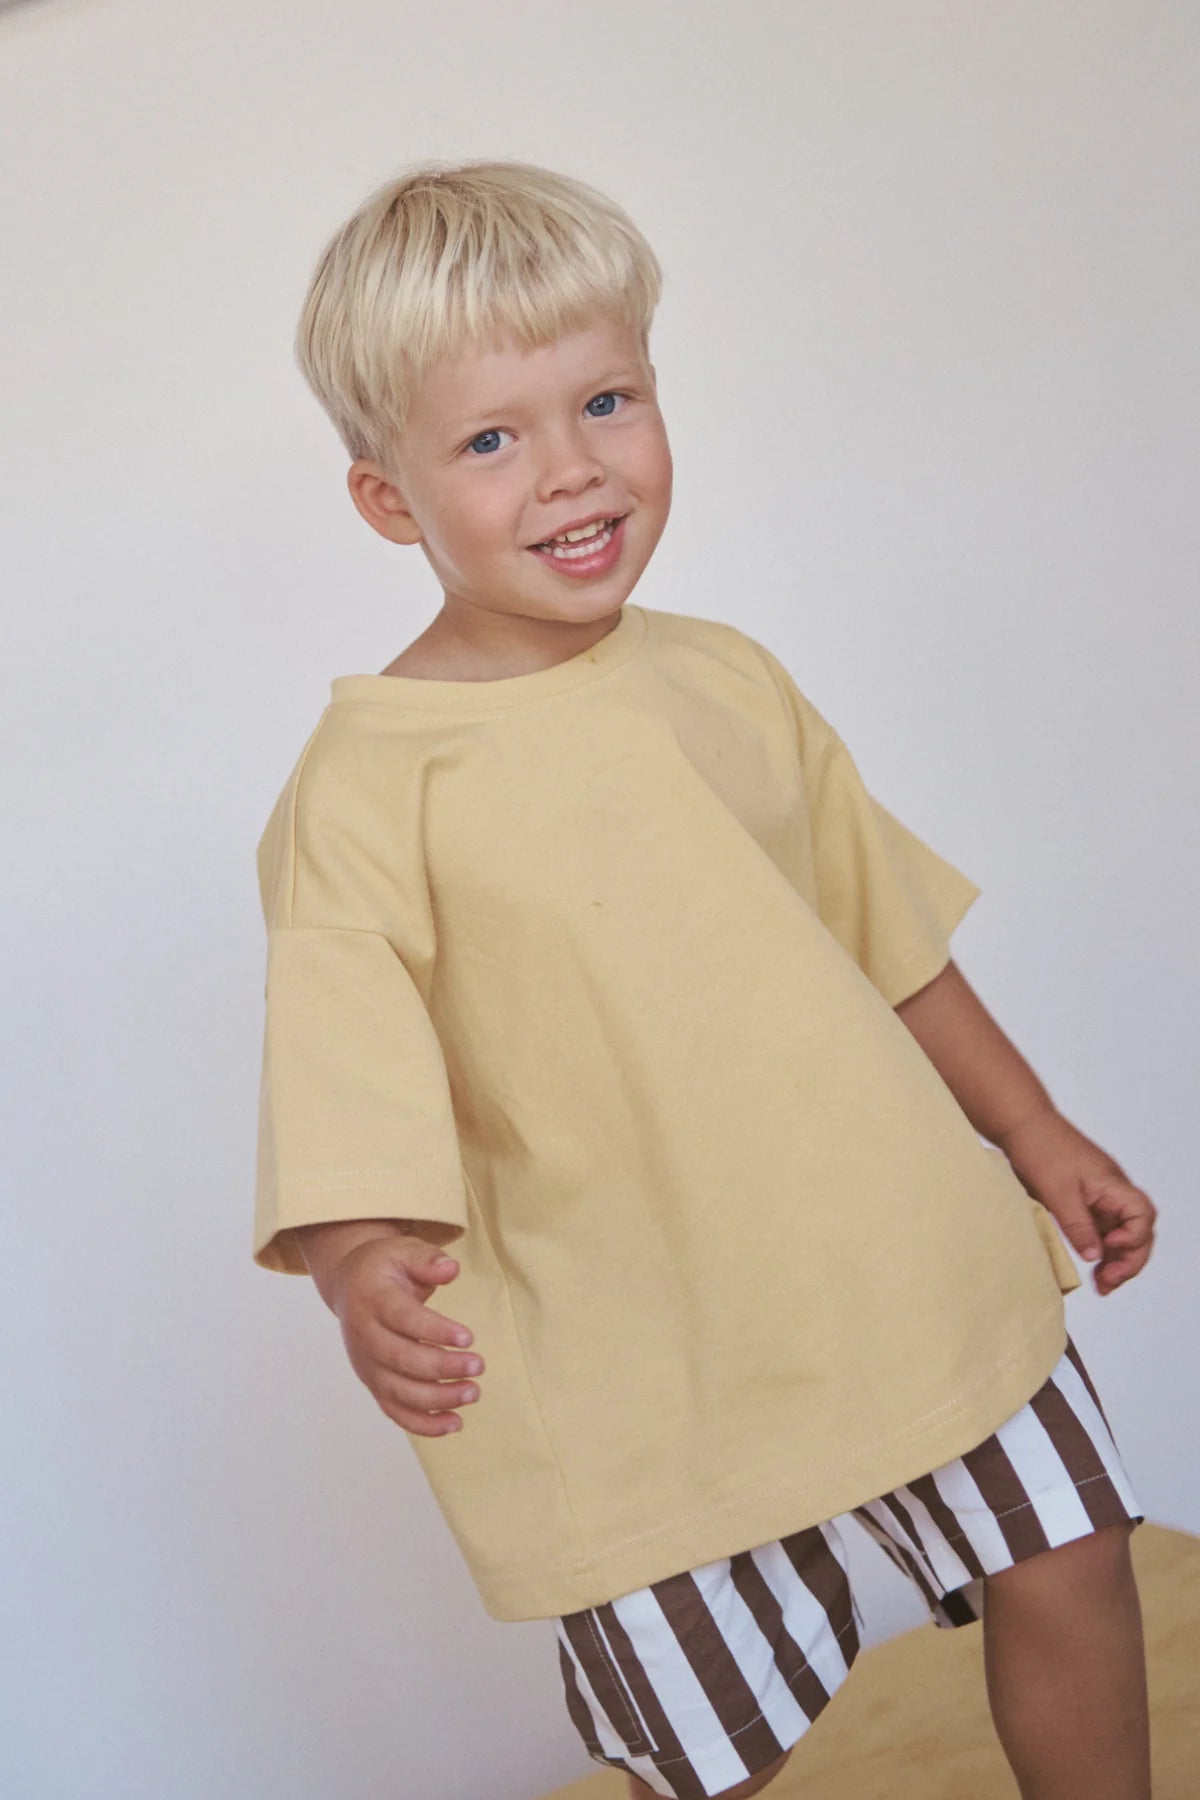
(323, 835)
(687, 631)
(742, 661)
(275, 852)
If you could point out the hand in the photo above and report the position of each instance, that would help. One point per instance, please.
(378, 1291)
(1101, 1213)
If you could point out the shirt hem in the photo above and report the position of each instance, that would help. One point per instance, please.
(747, 1520)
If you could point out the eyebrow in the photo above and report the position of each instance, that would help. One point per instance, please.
(598, 384)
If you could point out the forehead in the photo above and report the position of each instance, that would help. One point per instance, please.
(500, 374)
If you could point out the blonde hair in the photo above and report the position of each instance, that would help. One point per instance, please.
(447, 255)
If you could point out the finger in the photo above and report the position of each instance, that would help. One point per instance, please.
(1115, 1268)
(424, 1262)
(1121, 1267)
(443, 1268)
(425, 1362)
(1120, 1200)
(422, 1424)
(408, 1317)
(1081, 1232)
(1130, 1231)
(1124, 1240)
(1125, 1228)
(426, 1397)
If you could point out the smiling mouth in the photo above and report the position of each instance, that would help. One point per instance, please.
(579, 547)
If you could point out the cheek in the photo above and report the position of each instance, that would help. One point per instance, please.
(483, 521)
(652, 468)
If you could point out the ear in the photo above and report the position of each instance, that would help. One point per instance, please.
(381, 503)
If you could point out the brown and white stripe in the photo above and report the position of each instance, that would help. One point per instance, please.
(702, 1679)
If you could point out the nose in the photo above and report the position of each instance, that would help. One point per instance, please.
(569, 466)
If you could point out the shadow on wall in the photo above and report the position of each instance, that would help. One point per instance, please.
(11, 6)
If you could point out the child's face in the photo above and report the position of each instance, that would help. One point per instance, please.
(508, 447)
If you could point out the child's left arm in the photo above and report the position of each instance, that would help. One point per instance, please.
(1100, 1211)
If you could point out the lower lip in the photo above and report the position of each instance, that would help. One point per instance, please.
(598, 563)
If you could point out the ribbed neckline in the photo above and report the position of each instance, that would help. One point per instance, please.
(419, 695)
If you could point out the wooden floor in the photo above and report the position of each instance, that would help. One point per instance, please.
(912, 1721)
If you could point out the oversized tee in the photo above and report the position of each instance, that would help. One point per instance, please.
(594, 968)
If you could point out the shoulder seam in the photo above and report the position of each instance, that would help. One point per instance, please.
(826, 731)
(292, 815)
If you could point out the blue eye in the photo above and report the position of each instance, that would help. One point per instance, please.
(485, 444)
(494, 432)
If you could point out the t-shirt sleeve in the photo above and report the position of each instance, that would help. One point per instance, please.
(887, 896)
(355, 1119)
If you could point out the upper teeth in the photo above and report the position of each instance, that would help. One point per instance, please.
(580, 531)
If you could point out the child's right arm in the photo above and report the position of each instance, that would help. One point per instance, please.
(375, 1276)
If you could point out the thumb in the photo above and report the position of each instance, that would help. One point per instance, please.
(429, 1262)
(1079, 1229)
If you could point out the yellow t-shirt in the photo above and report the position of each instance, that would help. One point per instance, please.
(596, 966)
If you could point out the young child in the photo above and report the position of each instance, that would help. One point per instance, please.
(590, 954)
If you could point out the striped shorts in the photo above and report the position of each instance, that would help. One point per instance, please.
(703, 1679)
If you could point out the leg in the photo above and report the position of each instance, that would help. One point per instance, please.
(753, 1785)
(1064, 1662)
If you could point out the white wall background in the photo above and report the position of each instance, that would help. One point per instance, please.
(928, 356)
